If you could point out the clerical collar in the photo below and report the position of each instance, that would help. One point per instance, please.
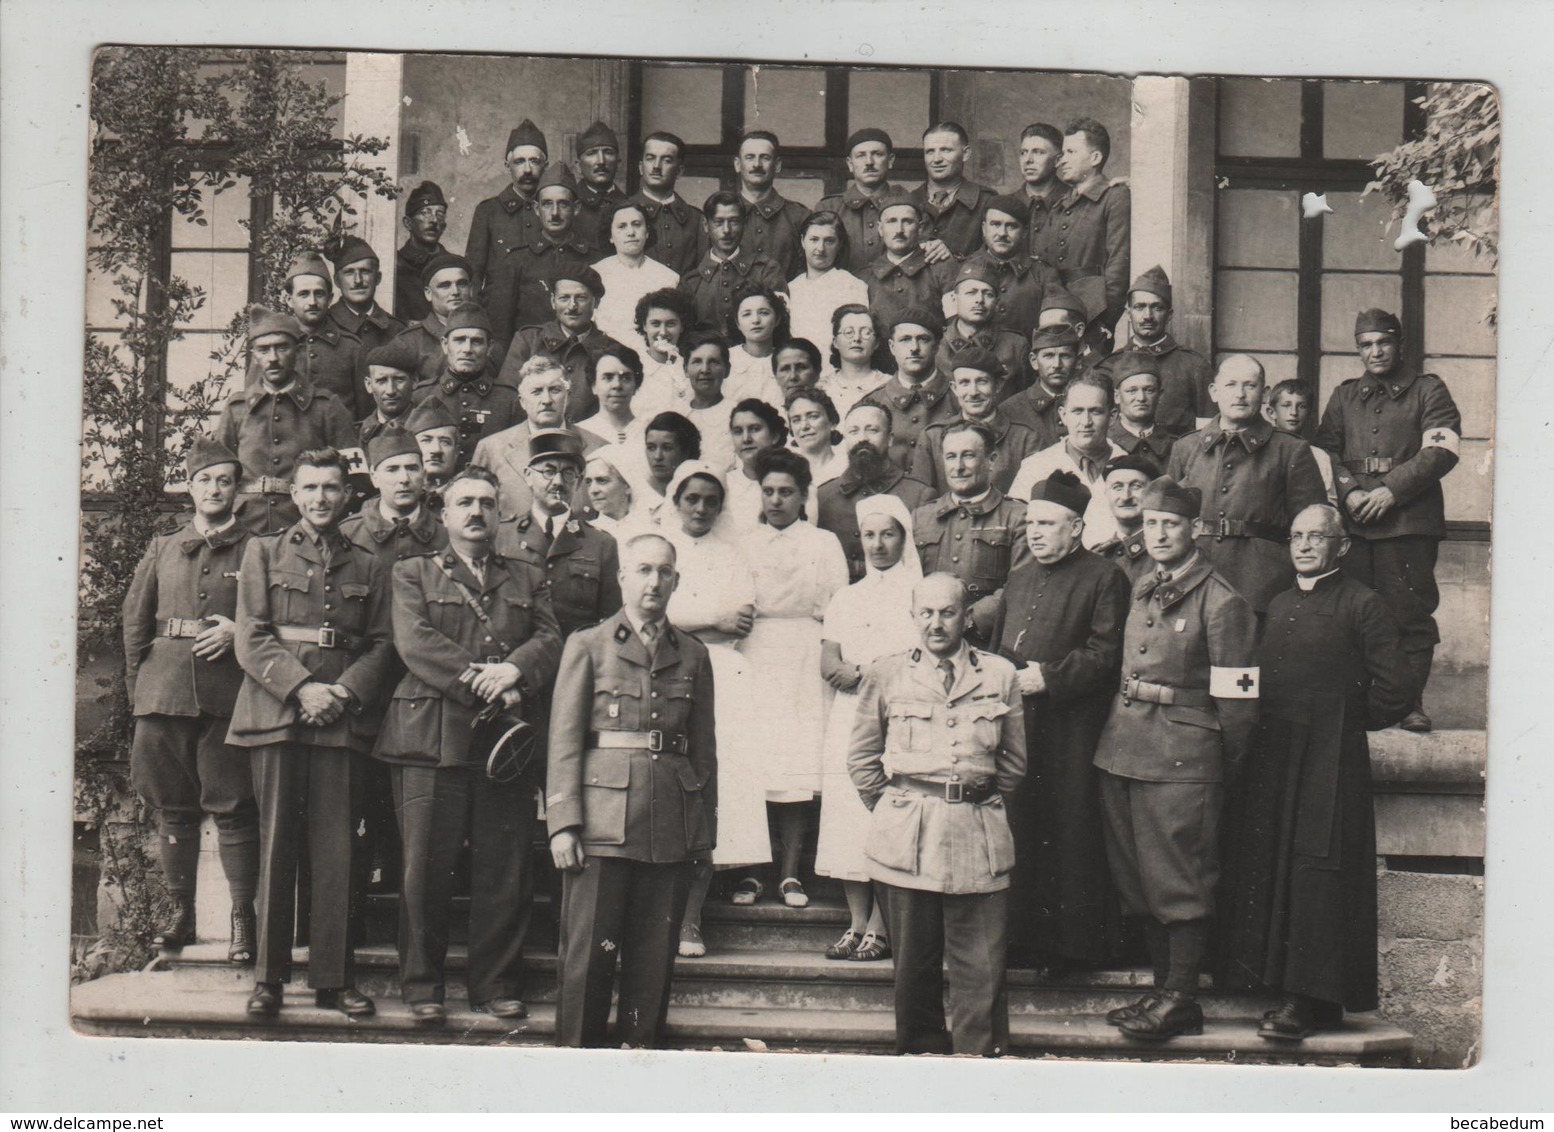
(205, 530)
(389, 517)
(1309, 584)
(557, 521)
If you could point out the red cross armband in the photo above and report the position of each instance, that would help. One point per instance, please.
(1233, 683)
(1441, 438)
(355, 459)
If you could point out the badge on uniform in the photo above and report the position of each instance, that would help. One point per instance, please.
(615, 711)
(480, 415)
(1181, 625)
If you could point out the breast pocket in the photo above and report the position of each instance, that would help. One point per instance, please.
(677, 697)
(518, 620)
(895, 828)
(446, 612)
(911, 727)
(289, 600)
(617, 708)
(990, 551)
(987, 722)
(352, 606)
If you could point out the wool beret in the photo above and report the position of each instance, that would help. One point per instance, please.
(981, 272)
(1155, 282)
(868, 134)
(353, 250)
(526, 133)
(897, 197)
(1132, 462)
(425, 195)
(1165, 494)
(429, 414)
(395, 355)
(467, 316)
(1131, 362)
(1064, 489)
(206, 452)
(308, 263)
(556, 175)
(441, 262)
(389, 443)
(1013, 205)
(596, 135)
(930, 321)
(577, 272)
(1376, 321)
(546, 443)
(263, 321)
(1058, 334)
(978, 359)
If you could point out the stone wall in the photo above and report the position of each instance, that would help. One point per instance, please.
(1432, 963)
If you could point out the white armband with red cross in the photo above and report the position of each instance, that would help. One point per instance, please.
(1441, 438)
(1233, 683)
(355, 459)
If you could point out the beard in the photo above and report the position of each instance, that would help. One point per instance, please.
(868, 463)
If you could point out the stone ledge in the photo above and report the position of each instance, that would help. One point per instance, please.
(1437, 762)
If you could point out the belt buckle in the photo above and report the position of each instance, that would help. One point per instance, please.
(173, 627)
(955, 790)
(326, 638)
(493, 660)
(655, 741)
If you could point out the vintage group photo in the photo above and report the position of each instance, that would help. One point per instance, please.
(759, 556)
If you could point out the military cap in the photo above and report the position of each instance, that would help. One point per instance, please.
(981, 272)
(467, 316)
(429, 414)
(392, 355)
(578, 273)
(562, 443)
(1010, 204)
(526, 133)
(978, 359)
(556, 175)
(207, 452)
(868, 134)
(1064, 489)
(1057, 301)
(1165, 494)
(426, 194)
(389, 443)
(1131, 362)
(441, 262)
(896, 197)
(308, 263)
(1376, 321)
(353, 250)
(1059, 334)
(930, 321)
(596, 135)
(1155, 282)
(1132, 462)
(263, 321)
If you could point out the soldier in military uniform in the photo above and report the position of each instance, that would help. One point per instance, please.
(1126, 477)
(1021, 279)
(977, 379)
(631, 803)
(1178, 728)
(679, 238)
(952, 206)
(469, 382)
(771, 220)
(356, 311)
(316, 645)
(1054, 359)
(505, 222)
(727, 266)
(903, 277)
(1041, 146)
(436, 431)
(972, 531)
(1394, 434)
(1136, 425)
(598, 161)
(570, 336)
(276, 415)
(869, 157)
(578, 561)
(181, 678)
(870, 471)
(426, 218)
(558, 247)
(328, 356)
(391, 380)
(1185, 374)
(917, 395)
(938, 839)
(473, 628)
(543, 396)
(446, 285)
(973, 303)
(1254, 480)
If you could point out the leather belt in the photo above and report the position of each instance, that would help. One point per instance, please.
(1240, 528)
(1371, 465)
(977, 791)
(655, 741)
(265, 485)
(1142, 690)
(181, 627)
(323, 637)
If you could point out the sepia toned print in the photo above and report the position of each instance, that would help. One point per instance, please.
(602, 552)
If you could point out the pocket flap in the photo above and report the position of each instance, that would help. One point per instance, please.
(678, 689)
(989, 709)
(911, 709)
(609, 770)
(288, 581)
(1192, 716)
(688, 778)
(995, 536)
(354, 589)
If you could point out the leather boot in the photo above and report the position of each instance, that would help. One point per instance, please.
(1122, 1013)
(180, 928)
(244, 928)
(1172, 1015)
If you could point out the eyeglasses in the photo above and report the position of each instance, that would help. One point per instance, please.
(1313, 540)
(853, 333)
(552, 472)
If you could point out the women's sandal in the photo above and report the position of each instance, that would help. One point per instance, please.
(874, 946)
(793, 894)
(692, 946)
(844, 947)
(747, 891)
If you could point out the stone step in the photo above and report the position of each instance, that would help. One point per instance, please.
(191, 1002)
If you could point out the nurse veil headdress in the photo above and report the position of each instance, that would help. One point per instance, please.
(910, 568)
(671, 519)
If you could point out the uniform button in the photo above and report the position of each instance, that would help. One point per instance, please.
(205, 570)
(1224, 491)
(326, 604)
(959, 537)
(328, 588)
(950, 722)
(1150, 624)
(276, 460)
(954, 558)
(653, 757)
(202, 595)
(1143, 648)
(654, 695)
(653, 715)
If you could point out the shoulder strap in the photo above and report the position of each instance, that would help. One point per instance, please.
(469, 600)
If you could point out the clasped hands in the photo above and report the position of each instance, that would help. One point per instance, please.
(1370, 506)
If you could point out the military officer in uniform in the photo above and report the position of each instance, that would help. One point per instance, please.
(1394, 434)
(473, 628)
(1021, 279)
(870, 471)
(436, 431)
(977, 380)
(679, 238)
(869, 157)
(570, 336)
(631, 802)
(274, 417)
(505, 222)
(1125, 477)
(972, 531)
(469, 382)
(1179, 727)
(598, 161)
(316, 645)
(328, 356)
(578, 561)
(446, 285)
(356, 311)
(1254, 480)
(558, 247)
(426, 218)
(1185, 374)
(1136, 425)
(952, 205)
(938, 740)
(1054, 359)
(181, 678)
(391, 379)
(727, 266)
(771, 220)
(1041, 146)
(973, 303)
(543, 396)
(917, 395)
(903, 277)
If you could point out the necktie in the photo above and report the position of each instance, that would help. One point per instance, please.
(649, 634)
(550, 526)
(947, 666)
(478, 568)
(325, 551)
(941, 197)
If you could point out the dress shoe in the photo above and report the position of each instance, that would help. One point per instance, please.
(1172, 1015)
(1416, 720)
(241, 949)
(502, 1008)
(180, 928)
(1120, 1015)
(428, 1013)
(265, 1002)
(347, 1000)
(1292, 1021)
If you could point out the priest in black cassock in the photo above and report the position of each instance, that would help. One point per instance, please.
(1060, 620)
(1298, 913)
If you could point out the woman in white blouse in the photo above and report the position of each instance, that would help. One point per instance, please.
(615, 376)
(798, 567)
(628, 274)
(869, 619)
(706, 372)
(757, 325)
(608, 492)
(812, 421)
(753, 425)
(662, 318)
(855, 357)
(814, 295)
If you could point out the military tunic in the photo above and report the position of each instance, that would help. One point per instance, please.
(912, 409)
(375, 328)
(425, 338)
(594, 208)
(1040, 411)
(680, 240)
(500, 224)
(483, 405)
(772, 231)
(574, 353)
(1185, 376)
(531, 269)
(1156, 445)
(1254, 483)
(395, 540)
(580, 564)
(837, 509)
(1012, 443)
(895, 288)
(1087, 240)
(1023, 282)
(978, 542)
(1005, 345)
(1127, 551)
(410, 302)
(860, 220)
(958, 222)
(713, 281)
